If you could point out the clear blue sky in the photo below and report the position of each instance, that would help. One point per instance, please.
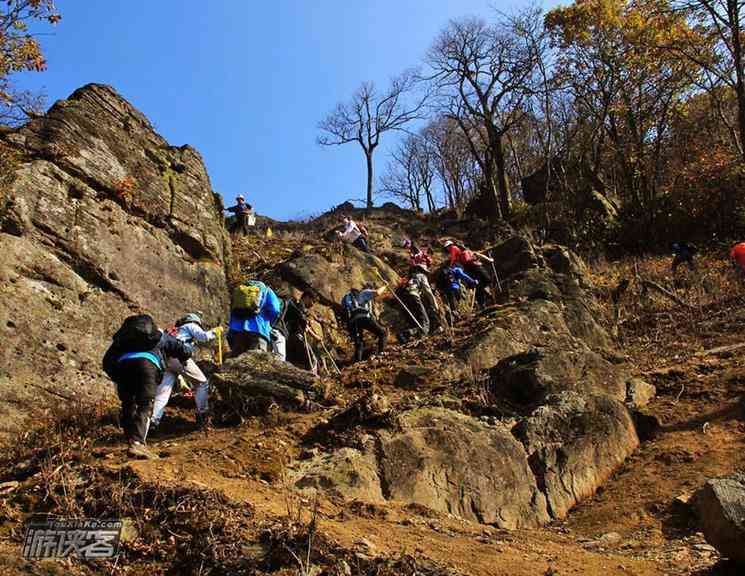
(246, 82)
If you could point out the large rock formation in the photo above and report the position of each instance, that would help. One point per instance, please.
(100, 218)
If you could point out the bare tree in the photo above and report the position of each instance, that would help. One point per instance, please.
(370, 114)
(411, 173)
(483, 73)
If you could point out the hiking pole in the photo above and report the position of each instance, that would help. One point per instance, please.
(399, 300)
(496, 276)
(218, 334)
(312, 362)
(333, 362)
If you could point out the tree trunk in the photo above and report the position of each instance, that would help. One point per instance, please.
(369, 158)
(502, 179)
(734, 17)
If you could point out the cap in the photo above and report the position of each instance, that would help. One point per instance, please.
(447, 244)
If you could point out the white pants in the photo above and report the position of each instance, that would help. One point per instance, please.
(194, 377)
(279, 345)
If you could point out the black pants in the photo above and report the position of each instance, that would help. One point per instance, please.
(299, 354)
(453, 297)
(681, 258)
(136, 383)
(241, 342)
(361, 244)
(241, 224)
(478, 272)
(358, 327)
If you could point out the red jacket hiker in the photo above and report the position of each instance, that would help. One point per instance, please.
(738, 255)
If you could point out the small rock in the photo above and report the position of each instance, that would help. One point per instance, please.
(704, 548)
(639, 393)
(6, 487)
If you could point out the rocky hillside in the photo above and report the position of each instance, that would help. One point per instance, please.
(99, 218)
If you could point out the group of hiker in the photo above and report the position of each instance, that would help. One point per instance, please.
(147, 363)
(685, 252)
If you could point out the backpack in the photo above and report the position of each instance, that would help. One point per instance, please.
(353, 308)
(137, 334)
(247, 299)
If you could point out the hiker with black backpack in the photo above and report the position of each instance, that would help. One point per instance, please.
(189, 330)
(255, 308)
(683, 253)
(357, 306)
(136, 361)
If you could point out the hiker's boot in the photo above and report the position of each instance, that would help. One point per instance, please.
(204, 421)
(139, 450)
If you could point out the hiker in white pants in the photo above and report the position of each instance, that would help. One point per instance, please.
(188, 329)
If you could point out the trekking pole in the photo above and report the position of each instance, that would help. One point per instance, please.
(312, 362)
(496, 276)
(218, 333)
(333, 362)
(399, 300)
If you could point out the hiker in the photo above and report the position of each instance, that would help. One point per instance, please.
(254, 310)
(453, 276)
(416, 293)
(738, 257)
(245, 217)
(135, 362)
(683, 253)
(189, 330)
(355, 234)
(470, 263)
(299, 351)
(418, 257)
(357, 307)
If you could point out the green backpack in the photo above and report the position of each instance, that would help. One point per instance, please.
(247, 299)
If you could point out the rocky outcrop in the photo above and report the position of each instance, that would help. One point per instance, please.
(100, 218)
(545, 362)
(720, 506)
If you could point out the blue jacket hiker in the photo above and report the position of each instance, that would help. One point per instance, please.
(255, 309)
(454, 275)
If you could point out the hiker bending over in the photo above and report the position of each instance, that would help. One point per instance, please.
(683, 252)
(416, 293)
(245, 217)
(354, 234)
(419, 257)
(253, 311)
(299, 349)
(471, 263)
(189, 330)
(357, 307)
(135, 361)
(738, 257)
(453, 277)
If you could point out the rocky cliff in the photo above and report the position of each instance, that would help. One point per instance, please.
(99, 218)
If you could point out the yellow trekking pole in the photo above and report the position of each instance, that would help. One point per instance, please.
(218, 335)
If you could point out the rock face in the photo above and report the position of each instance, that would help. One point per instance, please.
(720, 506)
(100, 218)
(543, 358)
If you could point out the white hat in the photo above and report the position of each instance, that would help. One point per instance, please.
(447, 244)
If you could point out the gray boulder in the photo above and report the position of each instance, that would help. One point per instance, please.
(720, 506)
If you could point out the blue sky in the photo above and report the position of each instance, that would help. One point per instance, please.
(246, 82)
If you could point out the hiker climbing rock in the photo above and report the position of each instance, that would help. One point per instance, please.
(357, 305)
(135, 361)
(355, 234)
(471, 263)
(300, 351)
(418, 256)
(254, 310)
(245, 217)
(683, 253)
(417, 295)
(189, 330)
(452, 279)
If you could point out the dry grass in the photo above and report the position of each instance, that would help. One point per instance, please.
(650, 324)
